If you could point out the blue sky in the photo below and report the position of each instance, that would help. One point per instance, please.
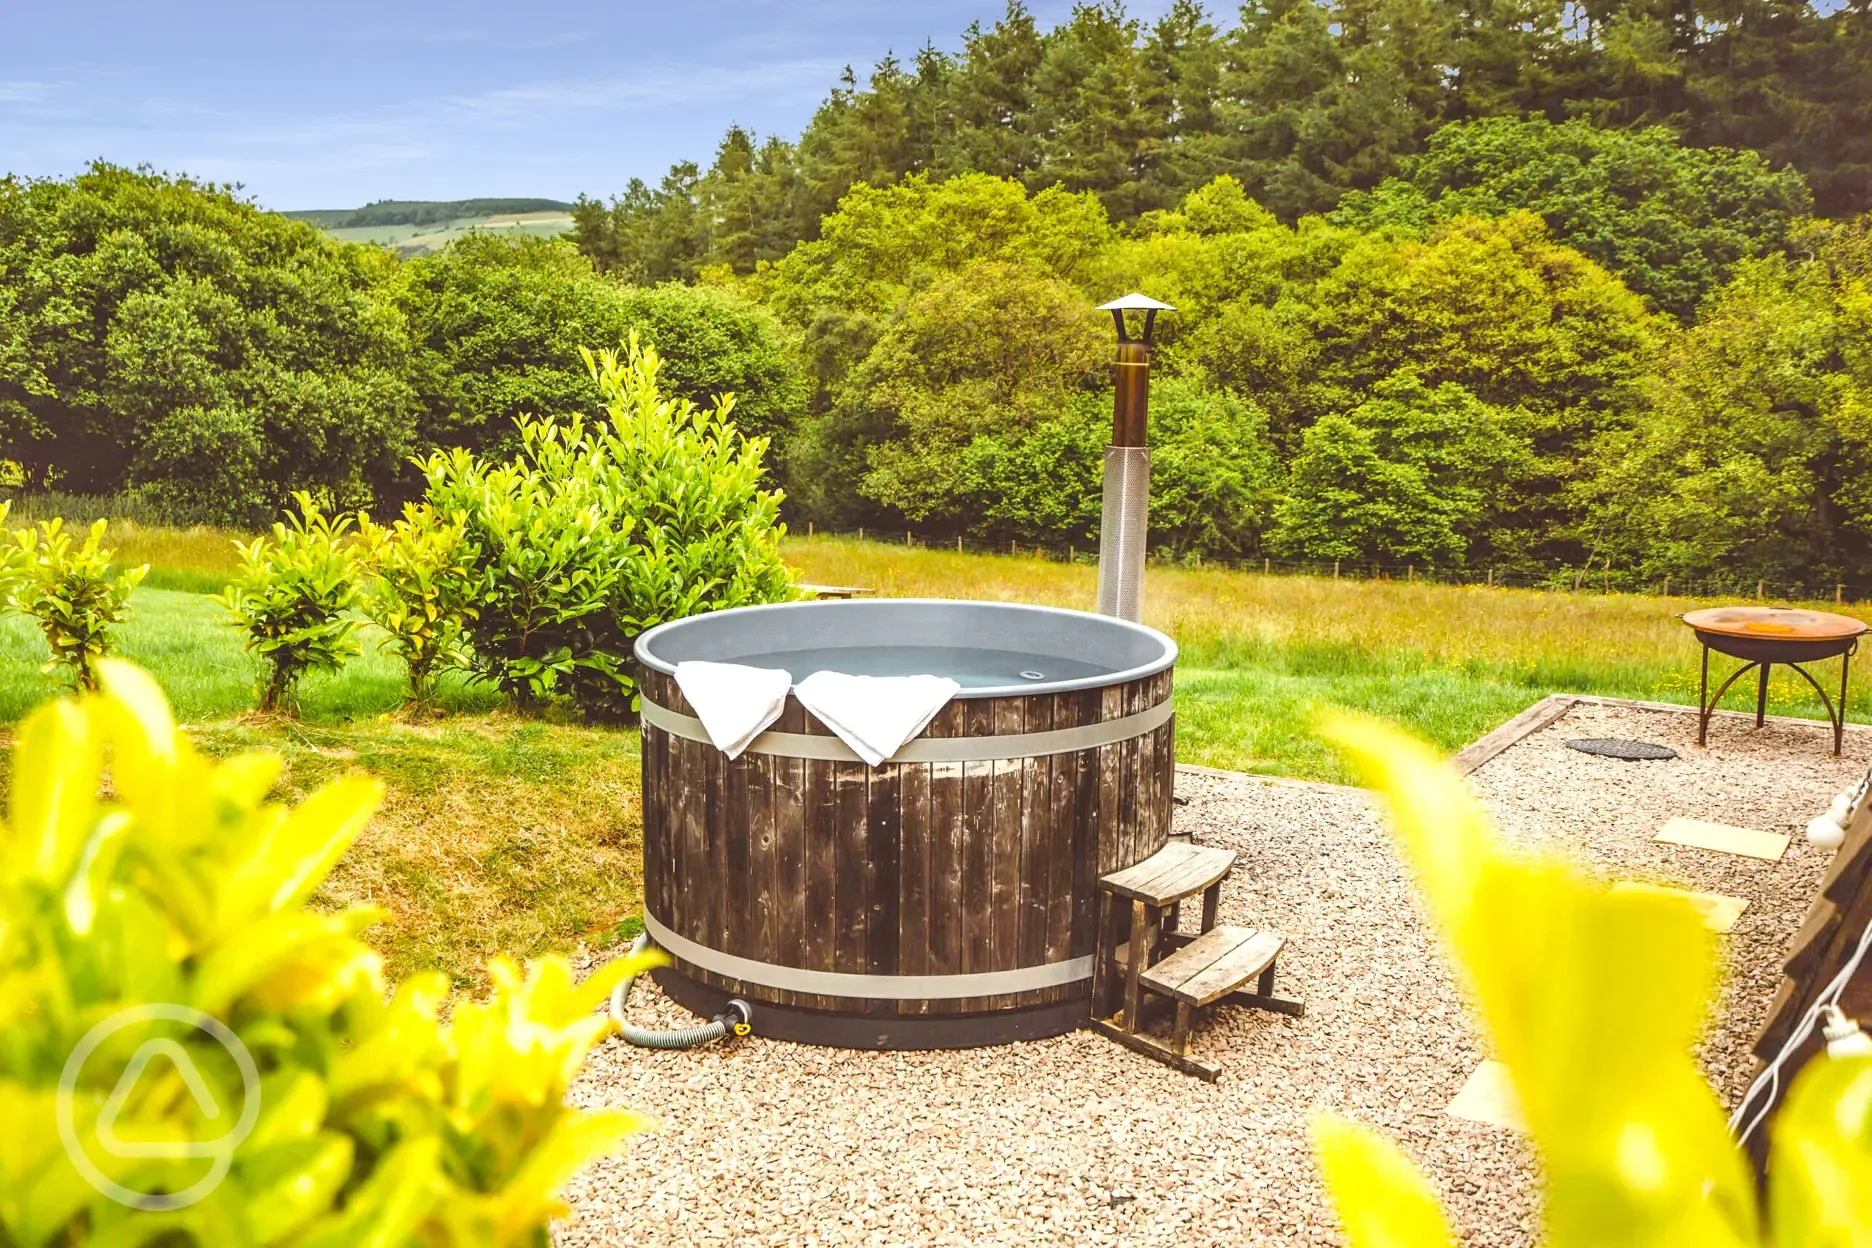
(333, 104)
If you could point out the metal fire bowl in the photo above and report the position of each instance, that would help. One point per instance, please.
(1774, 634)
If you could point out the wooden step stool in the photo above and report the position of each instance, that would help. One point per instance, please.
(1194, 971)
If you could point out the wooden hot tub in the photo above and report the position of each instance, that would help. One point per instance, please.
(943, 899)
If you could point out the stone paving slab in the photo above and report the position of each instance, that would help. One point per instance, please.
(1488, 1097)
(1723, 838)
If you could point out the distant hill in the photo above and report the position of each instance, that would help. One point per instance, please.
(416, 227)
(423, 212)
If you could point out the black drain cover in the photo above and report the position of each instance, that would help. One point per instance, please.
(1615, 747)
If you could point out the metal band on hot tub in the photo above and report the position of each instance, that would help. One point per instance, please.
(984, 749)
(868, 987)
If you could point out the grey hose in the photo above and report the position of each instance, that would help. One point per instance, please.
(733, 1020)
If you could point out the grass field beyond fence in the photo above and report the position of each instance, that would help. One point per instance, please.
(1260, 653)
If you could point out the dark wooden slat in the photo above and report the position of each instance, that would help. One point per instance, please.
(1113, 843)
(735, 917)
(977, 850)
(913, 865)
(1085, 831)
(1009, 717)
(945, 866)
(1037, 847)
(850, 821)
(1063, 813)
(821, 867)
(760, 833)
(789, 944)
(696, 890)
(883, 870)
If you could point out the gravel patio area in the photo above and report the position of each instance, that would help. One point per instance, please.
(1077, 1141)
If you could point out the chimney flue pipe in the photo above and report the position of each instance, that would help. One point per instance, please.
(1124, 523)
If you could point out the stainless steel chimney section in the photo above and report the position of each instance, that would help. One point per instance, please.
(1124, 523)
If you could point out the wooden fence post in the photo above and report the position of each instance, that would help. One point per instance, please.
(1335, 569)
(1410, 572)
(1839, 594)
(1758, 590)
(809, 528)
(1667, 587)
(958, 543)
(1267, 566)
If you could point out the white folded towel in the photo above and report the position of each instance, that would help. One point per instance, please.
(735, 703)
(875, 715)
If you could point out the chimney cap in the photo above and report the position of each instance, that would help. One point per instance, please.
(1135, 302)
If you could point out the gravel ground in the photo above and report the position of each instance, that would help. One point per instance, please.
(1077, 1141)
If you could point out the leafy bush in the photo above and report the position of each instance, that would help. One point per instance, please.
(545, 530)
(422, 592)
(292, 598)
(73, 595)
(598, 531)
(376, 1124)
(707, 535)
(1594, 1000)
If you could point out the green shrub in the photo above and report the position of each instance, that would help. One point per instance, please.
(1593, 998)
(707, 536)
(73, 595)
(545, 536)
(598, 531)
(375, 1123)
(422, 591)
(292, 599)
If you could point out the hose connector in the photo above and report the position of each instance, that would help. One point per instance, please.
(737, 1016)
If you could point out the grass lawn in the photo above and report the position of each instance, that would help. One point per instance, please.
(500, 833)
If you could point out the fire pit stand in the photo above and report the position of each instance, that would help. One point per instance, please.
(1765, 636)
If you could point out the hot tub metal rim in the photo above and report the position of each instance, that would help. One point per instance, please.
(646, 641)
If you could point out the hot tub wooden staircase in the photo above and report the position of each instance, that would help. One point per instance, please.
(1142, 952)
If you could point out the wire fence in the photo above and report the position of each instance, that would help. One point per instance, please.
(1595, 577)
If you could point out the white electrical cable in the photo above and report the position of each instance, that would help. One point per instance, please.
(1770, 1077)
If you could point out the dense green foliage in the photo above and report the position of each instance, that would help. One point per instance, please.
(294, 598)
(497, 324)
(162, 334)
(302, 1100)
(1463, 373)
(1301, 100)
(1670, 220)
(1753, 453)
(167, 338)
(595, 531)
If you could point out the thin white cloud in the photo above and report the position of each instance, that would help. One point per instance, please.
(668, 86)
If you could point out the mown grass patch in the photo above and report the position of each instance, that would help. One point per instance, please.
(496, 834)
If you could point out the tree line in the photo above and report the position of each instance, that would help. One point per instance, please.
(1530, 343)
(1302, 101)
